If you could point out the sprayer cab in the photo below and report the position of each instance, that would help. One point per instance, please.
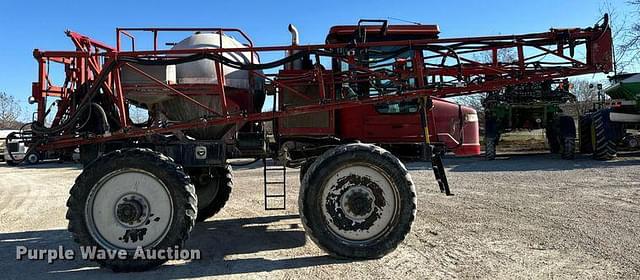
(394, 125)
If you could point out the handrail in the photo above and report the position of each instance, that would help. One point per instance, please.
(156, 30)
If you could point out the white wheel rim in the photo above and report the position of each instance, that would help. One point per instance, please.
(33, 158)
(359, 203)
(120, 190)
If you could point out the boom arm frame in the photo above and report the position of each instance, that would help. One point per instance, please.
(435, 67)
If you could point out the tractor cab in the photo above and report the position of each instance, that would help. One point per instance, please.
(377, 56)
(396, 123)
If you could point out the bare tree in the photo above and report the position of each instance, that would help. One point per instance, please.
(505, 56)
(630, 46)
(625, 34)
(586, 94)
(9, 111)
(474, 101)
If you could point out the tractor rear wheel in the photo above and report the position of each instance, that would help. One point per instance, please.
(130, 199)
(357, 201)
(603, 144)
(213, 192)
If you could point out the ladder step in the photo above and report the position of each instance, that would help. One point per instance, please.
(279, 196)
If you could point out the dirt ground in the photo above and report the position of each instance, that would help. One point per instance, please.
(520, 216)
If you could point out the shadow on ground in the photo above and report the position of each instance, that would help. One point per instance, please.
(543, 161)
(50, 164)
(245, 239)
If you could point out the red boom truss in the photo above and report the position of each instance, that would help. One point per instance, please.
(436, 67)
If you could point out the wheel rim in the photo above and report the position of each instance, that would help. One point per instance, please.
(32, 158)
(129, 208)
(359, 203)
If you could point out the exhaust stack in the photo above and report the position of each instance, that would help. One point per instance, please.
(295, 39)
(295, 36)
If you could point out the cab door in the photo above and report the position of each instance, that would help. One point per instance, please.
(395, 122)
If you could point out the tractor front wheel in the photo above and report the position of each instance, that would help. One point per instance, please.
(130, 199)
(357, 201)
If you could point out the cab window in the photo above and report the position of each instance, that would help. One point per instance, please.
(402, 107)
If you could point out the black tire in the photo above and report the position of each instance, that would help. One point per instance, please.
(305, 167)
(318, 226)
(603, 143)
(178, 185)
(584, 134)
(213, 195)
(32, 158)
(552, 137)
(568, 148)
(492, 138)
(567, 136)
(490, 148)
(11, 163)
(632, 142)
(89, 153)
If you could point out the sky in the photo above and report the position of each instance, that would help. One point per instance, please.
(29, 24)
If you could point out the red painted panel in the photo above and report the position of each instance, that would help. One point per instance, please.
(447, 124)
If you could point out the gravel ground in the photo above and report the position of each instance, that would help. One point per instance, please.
(521, 216)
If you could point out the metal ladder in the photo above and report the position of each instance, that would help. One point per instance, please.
(270, 185)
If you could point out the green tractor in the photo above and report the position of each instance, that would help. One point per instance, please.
(615, 124)
(528, 107)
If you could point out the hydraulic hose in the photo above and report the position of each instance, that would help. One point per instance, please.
(84, 105)
(87, 104)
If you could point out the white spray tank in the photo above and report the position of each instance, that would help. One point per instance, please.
(201, 72)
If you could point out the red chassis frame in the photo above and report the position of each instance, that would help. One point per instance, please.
(438, 67)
